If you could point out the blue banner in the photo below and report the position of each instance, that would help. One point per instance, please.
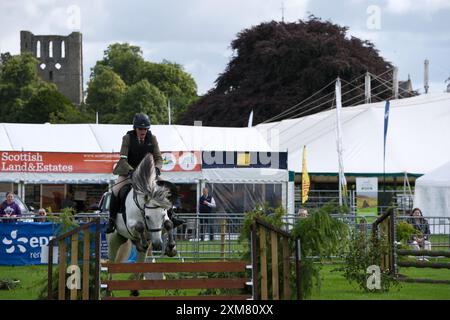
(21, 243)
(386, 122)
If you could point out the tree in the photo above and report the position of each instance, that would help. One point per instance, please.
(177, 85)
(47, 104)
(105, 92)
(276, 65)
(124, 59)
(4, 57)
(18, 72)
(24, 97)
(123, 67)
(142, 97)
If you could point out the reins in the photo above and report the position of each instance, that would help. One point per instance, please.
(135, 199)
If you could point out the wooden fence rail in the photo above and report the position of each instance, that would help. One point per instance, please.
(196, 282)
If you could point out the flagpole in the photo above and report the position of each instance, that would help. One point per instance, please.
(342, 181)
(250, 120)
(386, 122)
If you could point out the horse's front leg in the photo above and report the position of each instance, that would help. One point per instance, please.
(138, 276)
(142, 243)
(170, 251)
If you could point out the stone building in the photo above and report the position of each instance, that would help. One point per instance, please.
(60, 61)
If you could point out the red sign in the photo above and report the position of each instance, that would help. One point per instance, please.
(63, 162)
(57, 162)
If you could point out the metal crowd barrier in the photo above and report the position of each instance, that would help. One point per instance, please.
(216, 235)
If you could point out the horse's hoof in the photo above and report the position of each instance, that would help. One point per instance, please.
(171, 253)
(134, 293)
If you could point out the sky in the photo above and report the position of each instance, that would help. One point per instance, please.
(197, 33)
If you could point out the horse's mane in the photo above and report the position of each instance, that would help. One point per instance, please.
(144, 181)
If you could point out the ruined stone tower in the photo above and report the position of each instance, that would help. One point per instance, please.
(60, 61)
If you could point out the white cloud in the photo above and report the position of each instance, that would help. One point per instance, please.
(424, 6)
(198, 33)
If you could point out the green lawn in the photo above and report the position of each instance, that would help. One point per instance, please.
(334, 286)
(31, 278)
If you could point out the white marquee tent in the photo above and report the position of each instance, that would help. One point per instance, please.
(92, 138)
(102, 138)
(432, 192)
(418, 138)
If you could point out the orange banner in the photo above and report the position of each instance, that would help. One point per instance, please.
(57, 162)
(63, 162)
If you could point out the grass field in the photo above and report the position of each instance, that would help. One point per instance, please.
(333, 285)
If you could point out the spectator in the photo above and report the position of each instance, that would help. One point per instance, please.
(41, 213)
(302, 213)
(9, 208)
(206, 204)
(420, 239)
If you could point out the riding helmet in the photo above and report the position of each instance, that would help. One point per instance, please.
(141, 120)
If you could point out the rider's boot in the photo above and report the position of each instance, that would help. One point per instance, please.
(176, 222)
(113, 208)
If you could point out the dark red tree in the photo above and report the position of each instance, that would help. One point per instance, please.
(276, 65)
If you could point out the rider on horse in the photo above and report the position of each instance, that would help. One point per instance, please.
(136, 144)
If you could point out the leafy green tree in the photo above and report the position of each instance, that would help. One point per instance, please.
(125, 62)
(124, 59)
(45, 104)
(177, 85)
(105, 92)
(17, 72)
(143, 97)
(24, 97)
(4, 57)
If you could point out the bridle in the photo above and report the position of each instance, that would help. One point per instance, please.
(142, 209)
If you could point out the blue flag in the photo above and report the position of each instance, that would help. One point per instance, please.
(386, 120)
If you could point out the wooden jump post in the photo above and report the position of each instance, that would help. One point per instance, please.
(60, 241)
(259, 231)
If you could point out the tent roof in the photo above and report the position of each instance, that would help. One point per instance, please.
(418, 138)
(432, 192)
(437, 177)
(108, 138)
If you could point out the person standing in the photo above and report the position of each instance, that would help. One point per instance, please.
(206, 204)
(9, 208)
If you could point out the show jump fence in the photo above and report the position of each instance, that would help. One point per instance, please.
(224, 278)
(80, 279)
(384, 229)
(385, 225)
(260, 230)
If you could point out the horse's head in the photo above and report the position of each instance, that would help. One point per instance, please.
(155, 220)
(159, 196)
